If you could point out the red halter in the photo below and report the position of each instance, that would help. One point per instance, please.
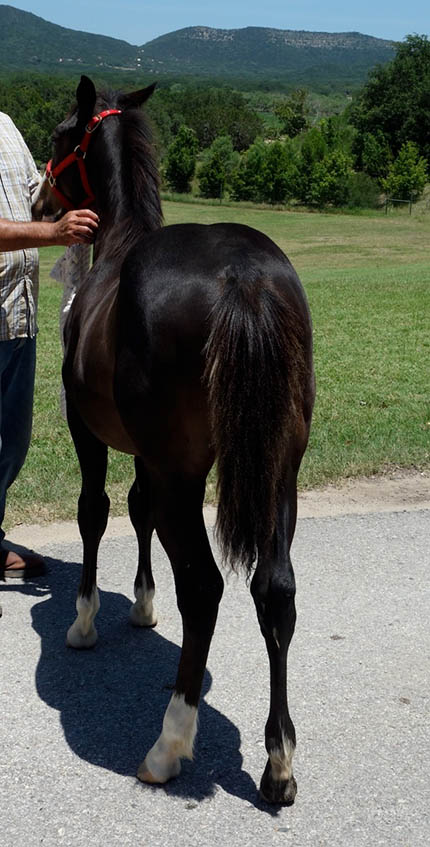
(78, 155)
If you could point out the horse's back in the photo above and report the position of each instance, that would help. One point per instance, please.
(185, 254)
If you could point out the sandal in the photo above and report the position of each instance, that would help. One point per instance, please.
(15, 566)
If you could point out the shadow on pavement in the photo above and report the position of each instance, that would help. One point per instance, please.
(112, 698)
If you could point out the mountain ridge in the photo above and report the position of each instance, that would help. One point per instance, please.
(30, 42)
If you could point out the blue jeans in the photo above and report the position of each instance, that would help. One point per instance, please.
(17, 369)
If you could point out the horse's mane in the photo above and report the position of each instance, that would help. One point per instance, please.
(144, 176)
(138, 197)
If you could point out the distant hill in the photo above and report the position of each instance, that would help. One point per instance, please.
(257, 51)
(28, 43)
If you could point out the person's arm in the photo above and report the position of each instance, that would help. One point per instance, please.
(76, 227)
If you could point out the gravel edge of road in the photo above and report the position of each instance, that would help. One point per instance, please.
(397, 492)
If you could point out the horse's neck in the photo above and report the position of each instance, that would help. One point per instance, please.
(122, 230)
(114, 240)
(128, 212)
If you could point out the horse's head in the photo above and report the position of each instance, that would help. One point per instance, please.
(73, 174)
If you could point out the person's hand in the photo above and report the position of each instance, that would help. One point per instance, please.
(76, 227)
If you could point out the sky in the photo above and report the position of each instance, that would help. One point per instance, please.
(137, 21)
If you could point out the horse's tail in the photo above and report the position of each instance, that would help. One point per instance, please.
(255, 372)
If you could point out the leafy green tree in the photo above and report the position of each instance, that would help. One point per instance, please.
(213, 112)
(210, 112)
(338, 132)
(314, 149)
(36, 104)
(294, 113)
(165, 120)
(218, 166)
(266, 173)
(181, 161)
(330, 179)
(248, 181)
(280, 172)
(396, 98)
(407, 175)
(373, 154)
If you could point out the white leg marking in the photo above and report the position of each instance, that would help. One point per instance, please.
(281, 760)
(83, 633)
(175, 742)
(142, 612)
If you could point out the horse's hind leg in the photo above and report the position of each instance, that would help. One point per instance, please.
(140, 506)
(273, 590)
(199, 586)
(93, 509)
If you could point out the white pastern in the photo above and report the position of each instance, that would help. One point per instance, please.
(142, 612)
(175, 742)
(281, 760)
(83, 634)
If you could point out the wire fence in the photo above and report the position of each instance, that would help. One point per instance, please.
(391, 201)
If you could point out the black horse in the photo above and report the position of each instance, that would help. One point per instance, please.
(185, 345)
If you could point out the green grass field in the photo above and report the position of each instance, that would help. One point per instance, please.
(368, 283)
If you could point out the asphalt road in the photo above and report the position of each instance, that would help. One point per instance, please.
(75, 726)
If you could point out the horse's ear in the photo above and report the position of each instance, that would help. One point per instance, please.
(86, 96)
(137, 98)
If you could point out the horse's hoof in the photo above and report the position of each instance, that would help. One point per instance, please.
(165, 773)
(283, 791)
(139, 617)
(147, 776)
(78, 641)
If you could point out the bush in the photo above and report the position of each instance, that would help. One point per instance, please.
(407, 175)
(363, 191)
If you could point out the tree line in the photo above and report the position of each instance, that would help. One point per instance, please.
(378, 144)
(214, 141)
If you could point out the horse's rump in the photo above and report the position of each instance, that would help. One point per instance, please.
(217, 350)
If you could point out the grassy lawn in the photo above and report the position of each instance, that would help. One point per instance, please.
(368, 283)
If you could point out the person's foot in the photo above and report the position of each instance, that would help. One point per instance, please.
(15, 565)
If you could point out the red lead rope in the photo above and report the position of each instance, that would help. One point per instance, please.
(78, 155)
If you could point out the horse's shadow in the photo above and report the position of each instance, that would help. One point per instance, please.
(112, 699)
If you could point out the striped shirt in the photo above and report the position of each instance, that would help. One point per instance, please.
(19, 269)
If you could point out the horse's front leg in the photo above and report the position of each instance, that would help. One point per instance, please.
(273, 590)
(141, 511)
(93, 510)
(199, 587)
